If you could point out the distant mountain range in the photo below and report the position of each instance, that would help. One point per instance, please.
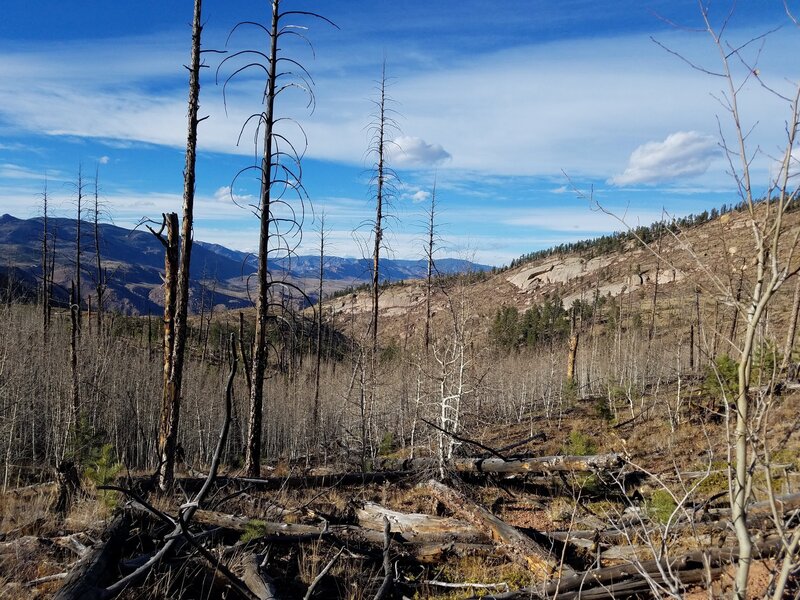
(134, 263)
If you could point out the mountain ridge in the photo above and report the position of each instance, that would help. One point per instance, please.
(134, 263)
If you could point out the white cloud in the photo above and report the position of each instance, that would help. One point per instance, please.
(682, 154)
(223, 194)
(420, 196)
(409, 151)
(103, 160)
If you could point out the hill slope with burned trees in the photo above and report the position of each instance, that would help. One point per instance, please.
(614, 359)
(611, 419)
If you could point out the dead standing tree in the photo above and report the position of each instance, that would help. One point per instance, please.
(47, 279)
(100, 275)
(429, 250)
(279, 174)
(178, 277)
(383, 183)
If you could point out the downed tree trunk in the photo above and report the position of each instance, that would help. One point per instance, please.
(258, 582)
(435, 530)
(515, 544)
(193, 484)
(421, 525)
(513, 466)
(630, 578)
(218, 519)
(396, 469)
(783, 504)
(85, 581)
(35, 489)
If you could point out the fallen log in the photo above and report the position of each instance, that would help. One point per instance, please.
(407, 528)
(391, 469)
(516, 545)
(630, 578)
(436, 553)
(783, 504)
(258, 582)
(85, 581)
(513, 466)
(193, 484)
(32, 490)
(371, 516)
(237, 523)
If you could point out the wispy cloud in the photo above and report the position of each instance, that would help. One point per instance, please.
(530, 115)
(681, 155)
(12, 171)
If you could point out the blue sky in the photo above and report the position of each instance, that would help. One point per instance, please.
(495, 100)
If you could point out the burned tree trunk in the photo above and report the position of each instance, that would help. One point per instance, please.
(100, 284)
(573, 353)
(173, 380)
(253, 448)
(74, 320)
(69, 485)
(167, 430)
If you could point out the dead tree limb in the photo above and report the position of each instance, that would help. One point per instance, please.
(388, 574)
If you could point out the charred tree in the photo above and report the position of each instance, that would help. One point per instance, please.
(46, 279)
(167, 429)
(279, 175)
(380, 129)
(173, 370)
(78, 249)
(100, 280)
(429, 256)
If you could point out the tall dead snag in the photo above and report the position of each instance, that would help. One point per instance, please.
(429, 256)
(100, 280)
(279, 173)
(791, 329)
(573, 347)
(46, 285)
(253, 448)
(317, 369)
(380, 153)
(78, 249)
(382, 126)
(74, 321)
(173, 370)
(167, 430)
